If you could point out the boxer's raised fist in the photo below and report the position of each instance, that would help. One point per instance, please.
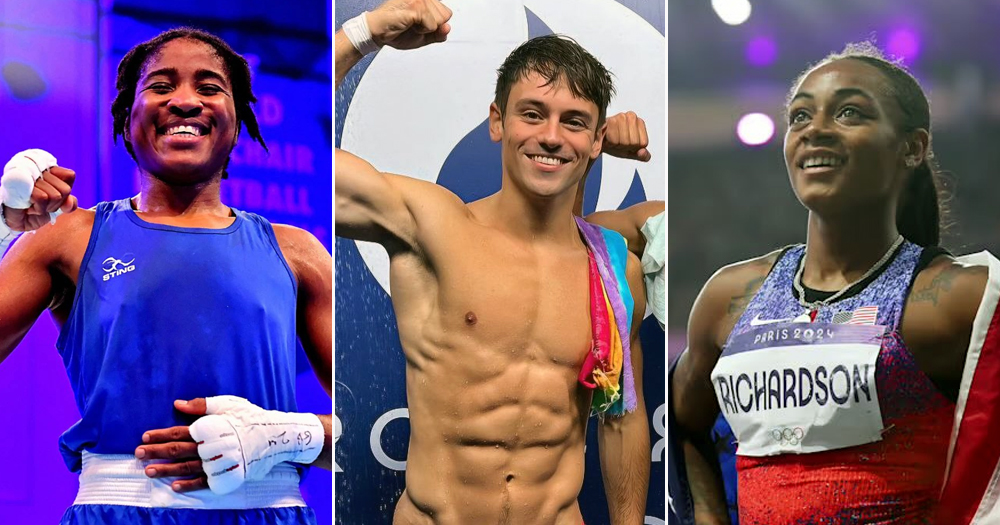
(409, 24)
(34, 190)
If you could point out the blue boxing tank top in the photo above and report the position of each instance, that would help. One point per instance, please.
(163, 313)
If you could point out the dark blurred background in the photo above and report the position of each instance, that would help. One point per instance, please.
(730, 200)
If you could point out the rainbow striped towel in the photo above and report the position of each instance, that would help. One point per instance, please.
(608, 366)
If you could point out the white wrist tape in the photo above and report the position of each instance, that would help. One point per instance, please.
(7, 235)
(239, 441)
(360, 35)
(19, 176)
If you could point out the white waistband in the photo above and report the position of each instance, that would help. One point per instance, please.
(119, 479)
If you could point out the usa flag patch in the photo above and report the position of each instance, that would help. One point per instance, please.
(864, 315)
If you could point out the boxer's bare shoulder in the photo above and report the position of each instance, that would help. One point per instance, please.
(304, 253)
(39, 272)
(57, 247)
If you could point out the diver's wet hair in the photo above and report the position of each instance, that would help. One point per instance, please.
(557, 58)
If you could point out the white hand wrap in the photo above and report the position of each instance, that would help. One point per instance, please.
(357, 31)
(238, 441)
(19, 176)
(7, 235)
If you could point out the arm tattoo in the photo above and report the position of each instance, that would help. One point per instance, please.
(739, 303)
(943, 281)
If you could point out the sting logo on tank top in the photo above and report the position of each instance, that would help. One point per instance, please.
(113, 267)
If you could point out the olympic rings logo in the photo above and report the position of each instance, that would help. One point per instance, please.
(788, 436)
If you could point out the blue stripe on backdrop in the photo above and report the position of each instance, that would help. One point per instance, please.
(372, 425)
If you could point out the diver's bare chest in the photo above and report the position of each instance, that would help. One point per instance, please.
(520, 302)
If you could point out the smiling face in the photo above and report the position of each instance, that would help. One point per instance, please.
(843, 147)
(182, 124)
(548, 136)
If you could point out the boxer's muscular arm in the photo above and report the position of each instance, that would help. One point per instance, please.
(26, 286)
(624, 441)
(27, 269)
(313, 268)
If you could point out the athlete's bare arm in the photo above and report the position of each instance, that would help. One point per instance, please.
(313, 269)
(52, 191)
(402, 24)
(345, 57)
(372, 205)
(716, 310)
(626, 138)
(624, 441)
(937, 320)
(34, 270)
(629, 222)
(27, 288)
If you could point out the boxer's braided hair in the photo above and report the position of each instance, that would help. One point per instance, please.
(132, 64)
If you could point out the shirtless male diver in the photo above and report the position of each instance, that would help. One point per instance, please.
(492, 298)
